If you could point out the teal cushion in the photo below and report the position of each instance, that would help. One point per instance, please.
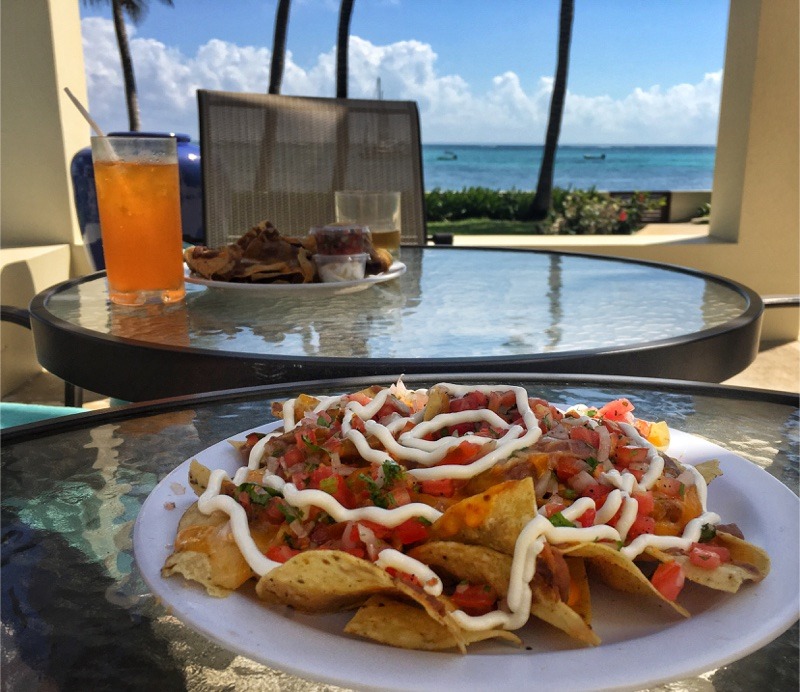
(12, 414)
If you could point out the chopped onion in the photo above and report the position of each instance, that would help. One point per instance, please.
(272, 464)
(347, 541)
(338, 466)
(687, 477)
(580, 481)
(298, 529)
(369, 539)
(543, 483)
(604, 446)
(299, 467)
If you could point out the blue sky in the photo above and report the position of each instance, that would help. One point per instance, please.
(641, 71)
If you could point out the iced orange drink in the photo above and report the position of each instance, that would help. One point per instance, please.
(138, 198)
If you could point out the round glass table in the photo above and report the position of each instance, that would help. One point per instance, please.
(77, 613)
(453, 309)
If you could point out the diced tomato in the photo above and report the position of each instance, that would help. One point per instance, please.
(469, 402)
(461, 429)
(671, 487)
(320, 473)
(567, 466)
(356, 551)
(411, 531)
(590, 437)
(618, 410)
(626, 455)
(335, 485)
(464, 453)
(281, 553)
(379, 530)
(553, 507)
(273, 513)
(646, 503)
(597, 492)
(642, 524)
(708, 556)
(638, 474)
(293, 455)
(668, 579)
(305, 436)
(360, 398)
(398, 496)
(475, 599)
(441, 487)
(587, 518)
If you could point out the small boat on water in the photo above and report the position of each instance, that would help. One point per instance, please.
(447, 156)
(596, 157)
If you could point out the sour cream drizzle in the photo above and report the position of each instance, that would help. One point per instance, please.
(410, 446)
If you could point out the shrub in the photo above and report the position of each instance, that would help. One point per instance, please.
(574, 212)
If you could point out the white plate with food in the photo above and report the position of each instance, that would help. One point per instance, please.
(642, 644)
(396, 269)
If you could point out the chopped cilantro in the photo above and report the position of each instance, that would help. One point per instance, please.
(313, 446)
(558, 519)
(392, 472)
(569, 493)
(592, 463)
(707, 533)
(259, 494)
(324, 421)
(290, 513)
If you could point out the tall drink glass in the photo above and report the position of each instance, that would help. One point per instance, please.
(138, 198)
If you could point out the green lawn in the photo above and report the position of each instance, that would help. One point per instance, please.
(484, 227)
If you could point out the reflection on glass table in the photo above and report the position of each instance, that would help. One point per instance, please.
(454, 308)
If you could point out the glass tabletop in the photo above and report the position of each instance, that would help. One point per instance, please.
(78, 615)
(451, 302)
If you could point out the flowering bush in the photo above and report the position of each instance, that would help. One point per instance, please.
(589, 212)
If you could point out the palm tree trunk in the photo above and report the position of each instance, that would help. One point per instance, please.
(343, 36)
(132, 100)
(279, 47)
(544, 188)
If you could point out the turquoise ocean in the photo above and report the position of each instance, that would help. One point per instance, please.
(611, 168)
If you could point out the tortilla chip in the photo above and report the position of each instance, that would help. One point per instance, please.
(493, 518)
(579, 596)
(618, 572)
(212, 263)
(206, 552)
(481, 565)
(324, 581)
(198, 477)
(748, 563)
(389, 621)
(202, 555)
(709, 470)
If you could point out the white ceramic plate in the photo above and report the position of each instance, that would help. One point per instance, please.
(642, 645)
(396, 269)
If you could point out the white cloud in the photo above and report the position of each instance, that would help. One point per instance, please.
(451, 112)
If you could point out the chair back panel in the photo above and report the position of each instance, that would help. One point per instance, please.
(282, 158)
